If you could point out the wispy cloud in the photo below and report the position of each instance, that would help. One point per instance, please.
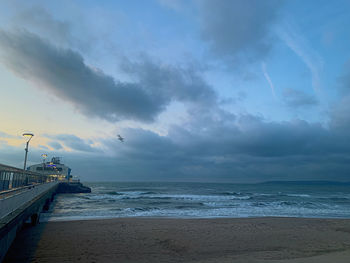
(6, 135)
(268, 79)
(290, 34)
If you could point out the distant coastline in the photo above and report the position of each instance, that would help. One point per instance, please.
(307, 182)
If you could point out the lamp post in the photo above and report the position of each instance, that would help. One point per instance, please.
(29, 137)
(44, 155)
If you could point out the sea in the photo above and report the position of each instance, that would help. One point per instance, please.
(202, 200)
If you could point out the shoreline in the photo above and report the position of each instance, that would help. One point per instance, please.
(189, 218)
(262, 239)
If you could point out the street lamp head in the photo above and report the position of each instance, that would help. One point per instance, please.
(28, 135)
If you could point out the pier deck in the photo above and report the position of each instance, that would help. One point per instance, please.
(23, 195)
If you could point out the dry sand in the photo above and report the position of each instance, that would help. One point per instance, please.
(288, 240)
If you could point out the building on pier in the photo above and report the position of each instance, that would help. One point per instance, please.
(54, 169)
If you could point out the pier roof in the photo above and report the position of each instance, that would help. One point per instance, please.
(7, 168)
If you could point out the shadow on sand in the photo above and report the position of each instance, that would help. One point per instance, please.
(26, 242)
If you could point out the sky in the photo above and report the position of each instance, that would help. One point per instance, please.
(202, 90)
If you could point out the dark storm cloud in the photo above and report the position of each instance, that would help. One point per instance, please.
(34, 17)
(298, 99)
(340, 112)
(246, 149)
(340, 116)
(249, 150)
(240, 27)
(170, 82)
(39, 20)
(55, 145)
(253, 136)
(73, 142)
(63, 73)
(218, 149)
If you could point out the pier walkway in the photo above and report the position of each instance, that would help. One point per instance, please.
(23, 195)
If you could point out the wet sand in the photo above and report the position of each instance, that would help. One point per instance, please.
(289, 240)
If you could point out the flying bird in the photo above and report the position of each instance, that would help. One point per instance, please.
(120, 138)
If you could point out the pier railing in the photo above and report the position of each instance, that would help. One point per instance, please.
(14, 179)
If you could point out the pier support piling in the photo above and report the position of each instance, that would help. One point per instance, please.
(34, 219)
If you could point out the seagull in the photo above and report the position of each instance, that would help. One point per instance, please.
(120, 138)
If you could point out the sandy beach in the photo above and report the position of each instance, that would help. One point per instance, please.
(185, 240)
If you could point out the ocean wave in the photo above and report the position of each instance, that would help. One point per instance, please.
(338, 199)
(203, 197)
(146, 189)
(99, 197)
(148, 197)
(235, 194)
(137, 193)
(114, 193)
(190, 200)
(193, 212)
(189, 206)
(160, 203)
(259, 204)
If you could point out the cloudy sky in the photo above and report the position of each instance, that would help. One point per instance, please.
(201, 90)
